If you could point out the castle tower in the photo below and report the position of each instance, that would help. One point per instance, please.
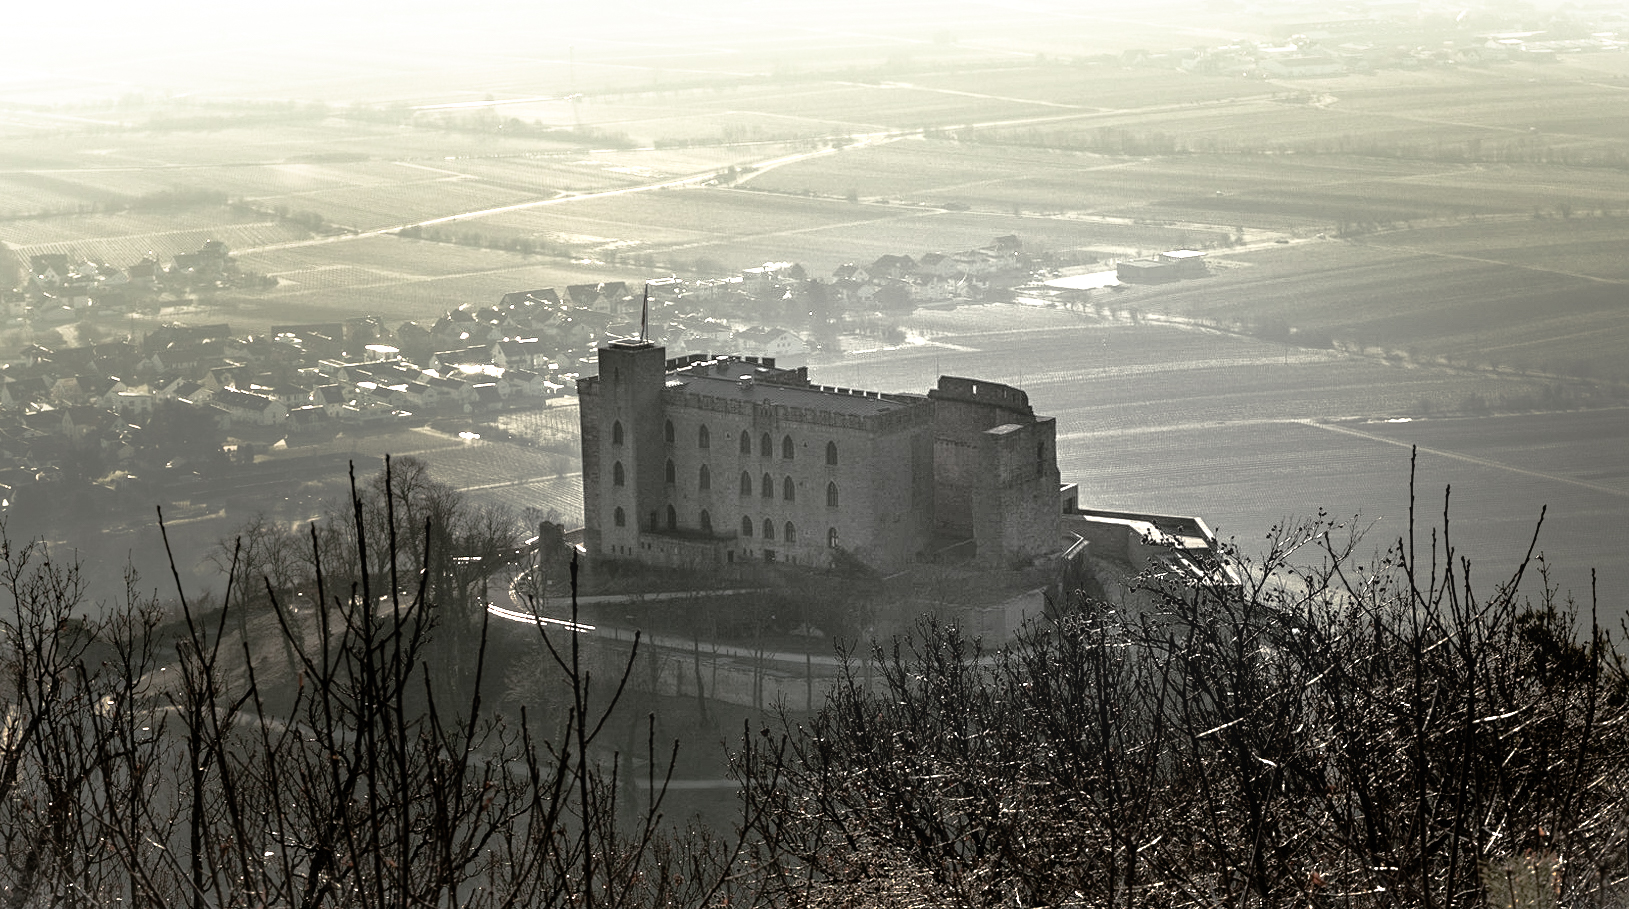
(996, 470)
(623, 445)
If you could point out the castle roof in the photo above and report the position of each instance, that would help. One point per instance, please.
(737, 380)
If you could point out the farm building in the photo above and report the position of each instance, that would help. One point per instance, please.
(1189, 263)
(702, 461)
(1146, 271)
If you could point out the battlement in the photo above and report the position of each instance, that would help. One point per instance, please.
(979, 391)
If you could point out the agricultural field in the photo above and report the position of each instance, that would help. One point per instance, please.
(1291, 192)
(1249, 435)
(1484, 311)
(1100, 87)
(393, 278)
(116, 241)
(1462, 226)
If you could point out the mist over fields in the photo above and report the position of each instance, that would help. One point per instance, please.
(1431, 234)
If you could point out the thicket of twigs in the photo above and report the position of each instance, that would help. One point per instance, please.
(311, 753)
(1346, 734)
(1331, 730)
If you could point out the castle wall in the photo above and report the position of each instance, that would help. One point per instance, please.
(883, 479)
(1016, 513)
(996, 471)
(821, 468)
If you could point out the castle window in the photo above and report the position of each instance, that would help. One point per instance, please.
(746, 526)
(831, 495)
(786, 447)
(765, 447)
(704, 439)
(617, 477)
(706, 522)
(746, 443)
(616, 433)
(789, 490)
(831, 453)
(652, 525)
(620, 517)
(746, 483)
(705, 481)
(672, 518)
(667, 432)
(831, 537)
(1040, 459)
(769, 529)
(767, 488)
(670, 475)
(791, 534)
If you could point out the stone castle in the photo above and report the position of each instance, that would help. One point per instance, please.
(705, 461)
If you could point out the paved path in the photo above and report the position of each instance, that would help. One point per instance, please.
(666, 642)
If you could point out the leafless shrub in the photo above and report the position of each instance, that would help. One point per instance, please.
(1345, 732)
(162, 761)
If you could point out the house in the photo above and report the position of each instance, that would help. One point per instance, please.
(587, 296)
(253, 409)
(331, 398)
(778, 343)
(851, 272)
(444, 360)
(487, 396)
(527, 384)
(758, 279)
(310, 418)
(934, 267)
(526, 353)
(541, 297)
(50, 270)
(891, 266)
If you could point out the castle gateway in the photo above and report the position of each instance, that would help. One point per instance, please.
(703, 461)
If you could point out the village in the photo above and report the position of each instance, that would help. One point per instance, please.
(122, 414)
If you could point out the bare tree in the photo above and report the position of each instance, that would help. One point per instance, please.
(1314, 729)
(342, 772)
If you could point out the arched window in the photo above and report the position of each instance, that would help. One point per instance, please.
(706, 522)
(746, 483)
(831, 537)
(667, 432)
(791, 534)
(652, 525)
(704, 439)
(767, 487)
(616, 433)
(617, 477)
(831, 495)
(670, 475)
(786, 447)
(746, 442)
(705, 480)
(1040, 459)
(746, 526)
(672, 518)
(789, 490)
(765, 447)
(769, 529)
(831, 453)
(620, 517)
